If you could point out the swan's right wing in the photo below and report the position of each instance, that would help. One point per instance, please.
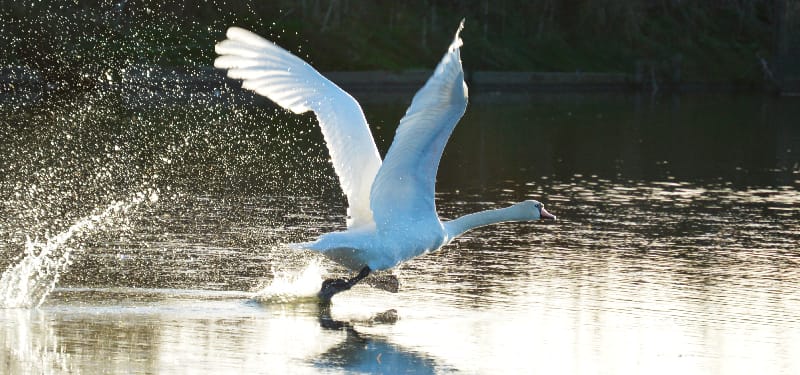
(290, 82)
(403, 191)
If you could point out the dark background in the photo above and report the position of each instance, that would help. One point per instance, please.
(732, 41)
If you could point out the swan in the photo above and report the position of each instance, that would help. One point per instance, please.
(391, 214)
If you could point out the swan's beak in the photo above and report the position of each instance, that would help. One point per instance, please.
(546, 215)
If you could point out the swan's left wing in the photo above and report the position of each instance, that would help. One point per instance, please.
(403, 190)
(290, 82)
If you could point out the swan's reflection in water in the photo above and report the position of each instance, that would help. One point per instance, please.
(367, 353)
(184, 331)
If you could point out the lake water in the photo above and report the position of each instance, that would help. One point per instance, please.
(160, 220)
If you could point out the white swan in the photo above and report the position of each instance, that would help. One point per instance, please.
(392, 213)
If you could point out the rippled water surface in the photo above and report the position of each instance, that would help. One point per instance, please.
(161, 230)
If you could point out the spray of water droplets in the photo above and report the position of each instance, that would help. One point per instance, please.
(119, 97)
(28, 282)
(289, 287)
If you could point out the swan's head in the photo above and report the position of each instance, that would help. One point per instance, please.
(535, 210)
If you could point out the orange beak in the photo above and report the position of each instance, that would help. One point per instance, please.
(546, 215)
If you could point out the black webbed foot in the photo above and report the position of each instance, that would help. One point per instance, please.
(331, 287)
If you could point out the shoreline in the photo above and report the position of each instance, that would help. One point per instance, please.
(14, 79)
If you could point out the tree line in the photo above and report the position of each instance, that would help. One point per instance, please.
(723, 40)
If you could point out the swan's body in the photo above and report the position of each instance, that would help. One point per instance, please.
(387, 248)
(392, 212)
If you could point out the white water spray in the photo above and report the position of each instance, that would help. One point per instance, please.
(28, 282)
(289, 287)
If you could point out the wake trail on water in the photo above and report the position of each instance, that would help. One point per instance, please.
(27, 283)
(293, 287)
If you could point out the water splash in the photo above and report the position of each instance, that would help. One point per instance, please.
(32, 344)
(28, 282)
(289, 287)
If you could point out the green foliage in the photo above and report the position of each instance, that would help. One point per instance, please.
(686, 40)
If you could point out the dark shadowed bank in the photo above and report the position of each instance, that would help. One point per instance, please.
(538, 44)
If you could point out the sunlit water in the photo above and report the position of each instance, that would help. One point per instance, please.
(676, 249)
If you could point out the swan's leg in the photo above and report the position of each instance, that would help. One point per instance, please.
(331, 287)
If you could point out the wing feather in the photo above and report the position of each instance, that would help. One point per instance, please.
(271, 71)
(404, 187)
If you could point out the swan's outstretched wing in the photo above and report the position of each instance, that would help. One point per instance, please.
(404, 187)
(290, 82)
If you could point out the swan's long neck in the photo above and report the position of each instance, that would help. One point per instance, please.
(465, 223)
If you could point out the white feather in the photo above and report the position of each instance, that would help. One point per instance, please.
(290, 82)
(405, 185)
